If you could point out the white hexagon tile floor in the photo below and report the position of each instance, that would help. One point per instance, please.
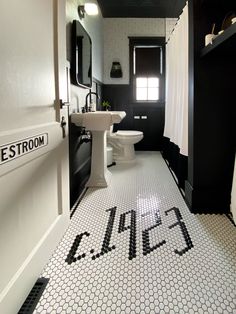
(134, 247)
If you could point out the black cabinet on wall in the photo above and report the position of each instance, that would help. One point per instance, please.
(212, 108)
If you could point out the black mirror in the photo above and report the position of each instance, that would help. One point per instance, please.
(81, 56)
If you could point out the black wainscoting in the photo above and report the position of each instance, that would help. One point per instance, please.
(176, 161)
(212, 111)
(152, 127)
(80, 162)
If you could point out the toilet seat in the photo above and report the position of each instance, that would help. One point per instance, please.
(128, 133)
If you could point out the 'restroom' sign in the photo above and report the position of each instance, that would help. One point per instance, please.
(22, 147)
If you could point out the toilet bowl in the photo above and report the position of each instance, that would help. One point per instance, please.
(122, 143)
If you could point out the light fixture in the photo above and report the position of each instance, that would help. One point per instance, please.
(89, 8)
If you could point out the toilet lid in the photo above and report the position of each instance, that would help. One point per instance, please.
(129, 133)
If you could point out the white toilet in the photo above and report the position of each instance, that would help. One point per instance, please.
(122, 143)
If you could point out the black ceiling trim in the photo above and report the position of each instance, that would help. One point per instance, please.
(141, 8)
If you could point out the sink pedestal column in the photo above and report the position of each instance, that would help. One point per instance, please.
(99, 176)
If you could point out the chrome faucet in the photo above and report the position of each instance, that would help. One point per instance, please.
(86, 107)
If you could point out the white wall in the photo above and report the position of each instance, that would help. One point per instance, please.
(116, 42)
(94, 26)
(170, 24)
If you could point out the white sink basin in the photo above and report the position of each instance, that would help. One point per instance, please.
(97, 121)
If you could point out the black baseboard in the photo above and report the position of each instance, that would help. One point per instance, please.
(176, 161)
(207, 201)
(78, 181)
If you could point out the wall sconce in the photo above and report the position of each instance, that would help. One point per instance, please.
(88, 8)
(116, 70)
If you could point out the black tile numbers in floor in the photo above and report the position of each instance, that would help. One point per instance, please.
(134, 247)
(124, 226)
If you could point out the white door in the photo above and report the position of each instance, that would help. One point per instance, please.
(34, 187)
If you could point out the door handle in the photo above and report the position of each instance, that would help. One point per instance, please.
(63, 126)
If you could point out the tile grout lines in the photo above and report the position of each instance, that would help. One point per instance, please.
(134, 247)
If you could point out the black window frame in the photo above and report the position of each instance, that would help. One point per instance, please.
(147, 41)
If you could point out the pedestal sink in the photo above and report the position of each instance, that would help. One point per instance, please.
(98, 123)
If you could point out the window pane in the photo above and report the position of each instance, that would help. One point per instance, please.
(153, 82)
(147, 88)
(141, 94)
(153, 93)
(141, 81)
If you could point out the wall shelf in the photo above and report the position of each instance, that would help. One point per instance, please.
(223, 45)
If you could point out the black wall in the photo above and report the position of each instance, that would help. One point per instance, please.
(119, 97)
(212, 113)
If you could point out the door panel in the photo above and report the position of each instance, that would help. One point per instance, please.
(28, 187)
(27, 81)
(34, 185)
(34, 193)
